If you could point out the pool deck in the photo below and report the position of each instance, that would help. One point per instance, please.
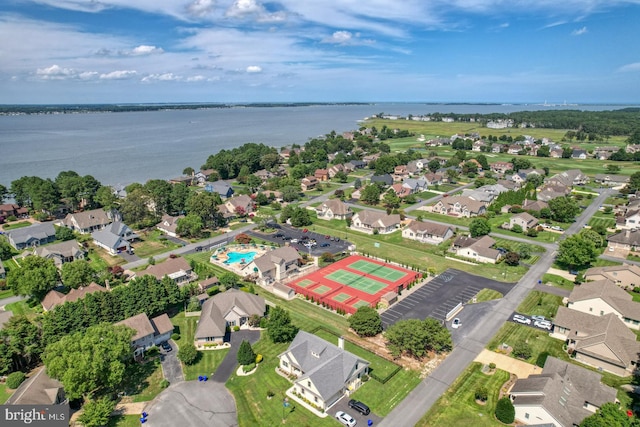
(221, 255)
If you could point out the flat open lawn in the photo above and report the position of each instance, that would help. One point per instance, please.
(540, 342)
(143, 380)
(151, 243)
(15, 225)
(124, 421)
(487, 295)
(6, 293)
(382, 398)
(4, 393)
(557, 281)
(208, 361)
(540, 303)
(20, 308)
(458, 407)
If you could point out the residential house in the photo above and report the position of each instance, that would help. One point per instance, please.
(386, 179)
(626, 276)
(369, 221)
(630, 220)
(514, 149)
(273, 195)
(632, 148)
(264, 175)
(416, 166)
(148, 332)
(524, 220)
(210, 282)
(185, 179)
(478, 145)
(32, 236)
(611, 180)
(226, 309)
(603, 342)
(459, 206)
(433, 179)
(626, 239)
(321, 174)
(275, 265)
(169, 224)
(479, 250)
(400, 172)
(534, 205)
(60, 253)
(400, 190)
(509, 185)
(551, 191)
(485, 194)
(579, 154)
(569, 178)
(222, 188)
(334, 209)
(115, 238)
(603, 153)
(496, 148)
(563, 395)
(335, 169)
(38, 389)
(54, 298)
(357, 164)
(370, 158)
(556, 153)
(10, 209)
(202, 177)
(177, 269)
(428, 232)
(501, 167)
(603, 297)
(236, 206)
(308, 183)
(415, 185)
(325, 372)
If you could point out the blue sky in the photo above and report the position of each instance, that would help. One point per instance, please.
(94, 51)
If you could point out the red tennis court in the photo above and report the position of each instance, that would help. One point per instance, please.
(353, 282)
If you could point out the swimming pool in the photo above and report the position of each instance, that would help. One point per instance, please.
(237, 257)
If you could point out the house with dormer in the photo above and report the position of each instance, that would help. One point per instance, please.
(148, 332)
(525, 220)
(371, 222)
(334, 209)
(324, 372)
(563, 395)
(603, 297)
(237, 206)
(60, 253)
(429, 232)
(479, 250)
(88, 221)
(34, 235)
(168, 224)
(115, 238)
(275, 265)
(459, 206)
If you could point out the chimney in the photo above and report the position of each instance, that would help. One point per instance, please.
(341, 343)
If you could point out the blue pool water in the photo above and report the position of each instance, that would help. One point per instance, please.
(236, 257)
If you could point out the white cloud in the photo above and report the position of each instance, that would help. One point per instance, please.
(339, 37)
(145, 50)
(633, 67)
(88, 75)
(254, 69)
(579, 31)
(165, 77)
(55, 72)
(118, 75)
(198, 78)
(253, 9)
(200, 8)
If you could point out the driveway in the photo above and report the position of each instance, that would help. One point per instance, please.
(171, 367)
(226, 368)
(361, 420)
(193, 403)
(439, 296)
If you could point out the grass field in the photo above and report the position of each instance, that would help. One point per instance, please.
(15, 225)
(458, 406)
(4, 393)
(558, 281)
(486, 295)
(124, 421)
(6, 293)
(153, 243)
(142, 381)
(602, 220)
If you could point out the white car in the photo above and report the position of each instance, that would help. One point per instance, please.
(294, 240)
(543, 324)
(521, 319)
(540, 318)
(345, 419)
(456, 323)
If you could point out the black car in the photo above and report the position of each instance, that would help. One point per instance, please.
(165, 346)
(198, 248)
(359, 406)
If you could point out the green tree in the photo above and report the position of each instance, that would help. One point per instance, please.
(179, 196)
(535, 180)
(342, 177)
(246, 356)
(188, 353)
(632, 186)
(253, 183)
(22, 341)
(92, 361)
(77, 273)
(505, 412)
(575, 251)
(204, 205)
(290, 193)
(594, 236)
(371, 194)
(6, 251)
(96, 413)
(357, 183)
(190, 226)
(391, 200)
(611, 168)
(36, 276)
(479, 227)
(160, 192)
(522, 350)
(134, 207)
(610, 415)
(4, 192)
(228, 280)
(188, 171)
(366, 322)
(563, 209)
(300, 217)
(106, 198)
(64, 234)
(407, 336)
(512, 258)
(482, 393)
(279, 326)
(433, 165)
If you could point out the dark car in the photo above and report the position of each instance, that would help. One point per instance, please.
(166, 346)
(198, 248)
(324, 245)
(359, 406)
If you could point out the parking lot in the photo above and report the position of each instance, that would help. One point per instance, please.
(297, 237)
(438, 297)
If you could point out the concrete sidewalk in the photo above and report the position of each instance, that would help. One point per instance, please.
(519, 368)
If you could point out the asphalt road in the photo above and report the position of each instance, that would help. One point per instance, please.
(224, 371)
(171, 367)
(476, 336)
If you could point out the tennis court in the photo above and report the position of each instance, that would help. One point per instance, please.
(353, 282)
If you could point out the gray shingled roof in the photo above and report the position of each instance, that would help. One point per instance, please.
(377, 218)
(325, 364)
(267, 261)
(39, 231)
(212, 318)
(609, 292)
(432, 228)
(87, 219)
(70, 248)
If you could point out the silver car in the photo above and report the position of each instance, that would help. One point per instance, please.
(543, 324)
(521, 319)
(345, 419)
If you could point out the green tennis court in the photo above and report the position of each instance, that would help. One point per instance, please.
(377, 270)
(322, 289)
(360, 303)
(341, 297)
(305, 283)
(364, 284)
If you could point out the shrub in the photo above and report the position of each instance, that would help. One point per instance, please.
(15, 379)
(11, 218)
(175, 336)
(505, 412)
(258, 358)
(188, 354)
(270, 393)
(248, 368)
(492, 366)
(246, 356)
(164, 383)
(482, 393)
(236, 328)
(522, 350)
(264, 322)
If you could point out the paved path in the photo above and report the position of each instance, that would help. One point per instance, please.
(427, 393)
(562, 273)
(518, 367)
(230, 361)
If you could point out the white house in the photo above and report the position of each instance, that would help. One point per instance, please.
(148, 332)
(369, 221)
(428, 232)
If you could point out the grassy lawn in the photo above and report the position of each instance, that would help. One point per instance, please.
(446, 218)
(6, 293)
(24, 307)
(540, 342)
(14, 225)
(486, 295)
(603, 220)
(518, 246)
(124, 421)
(558, 281)
(382, 398)
(540, 303)
(208, 361)
(458, 405)
(4, 393)
(152, 243)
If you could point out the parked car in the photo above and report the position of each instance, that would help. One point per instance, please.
(198, 248)
(324, 245)
(345, 419)
(359, 406)
(294, 240)
(557, 228)
(543, 324)
(537, 317)
(456, 323)
(165, 346)
(521, 319)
